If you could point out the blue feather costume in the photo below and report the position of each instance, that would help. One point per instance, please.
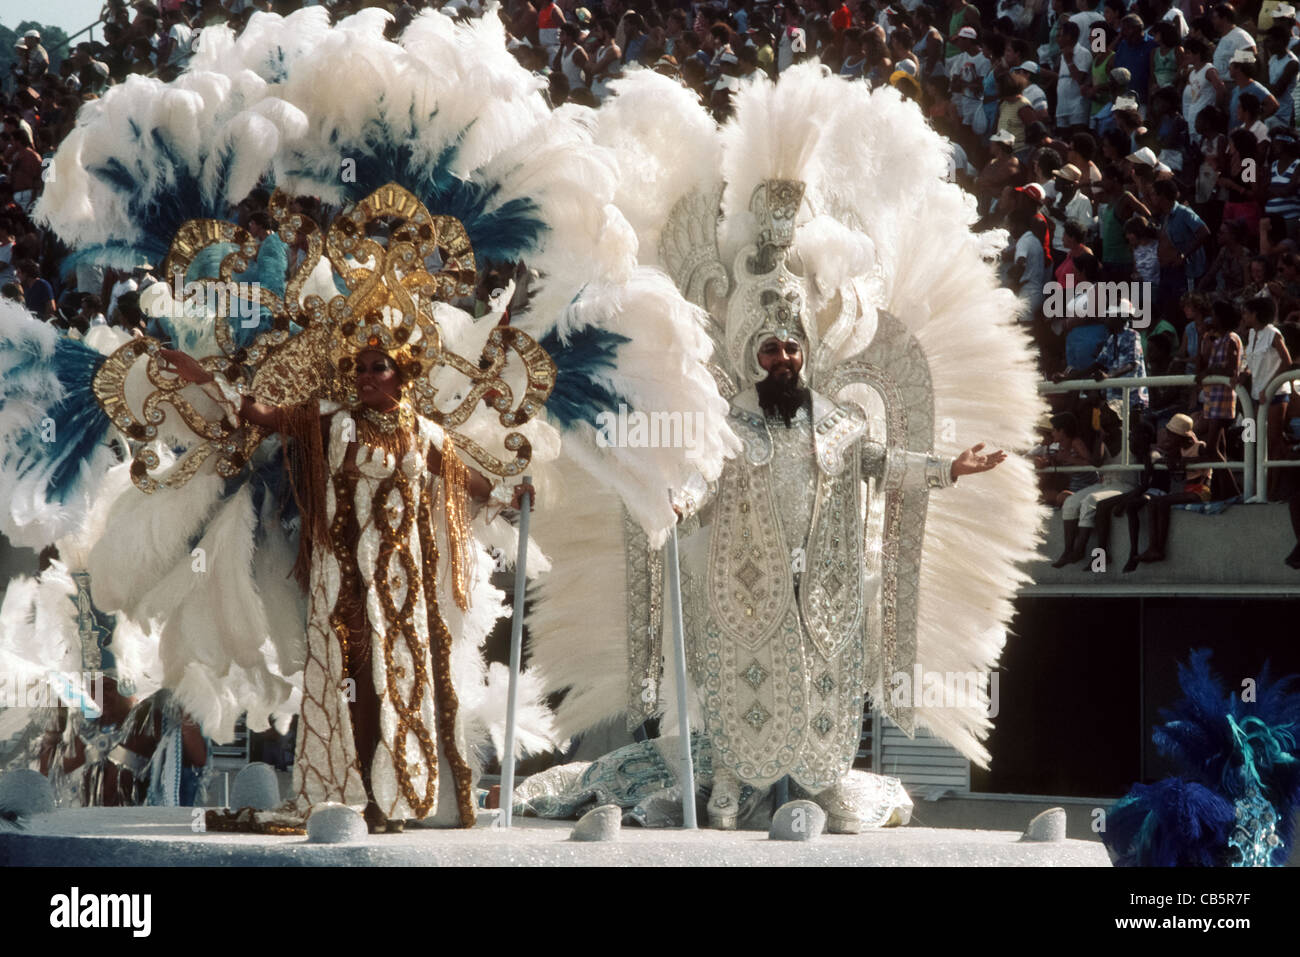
(1235, 802)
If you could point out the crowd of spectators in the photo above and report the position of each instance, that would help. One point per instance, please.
(1143, 157)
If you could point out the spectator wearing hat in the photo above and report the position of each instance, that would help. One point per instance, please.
(1119, 102)
(1066, 202)
(1144, 165)
(1266, 10)
(1187, 485)
(1284, 17)
(1242, 72)
(1001, 171)
(966, 75)
(1032, 91)
(34, 61)
(1167, 12)
(1071, 76)
(962, 13)
(1283, 68)
(1028, 270)
(1205, 85)
(1232, 38)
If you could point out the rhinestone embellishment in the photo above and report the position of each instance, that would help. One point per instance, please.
(748, 574)
(756, 716)
(754, 675)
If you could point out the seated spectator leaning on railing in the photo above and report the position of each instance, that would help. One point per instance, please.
(1187, 485)
(1078, 512)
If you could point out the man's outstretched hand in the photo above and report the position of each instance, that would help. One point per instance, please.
(972, 460)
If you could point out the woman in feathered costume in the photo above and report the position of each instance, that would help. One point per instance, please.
(442, 156)
(372, 480)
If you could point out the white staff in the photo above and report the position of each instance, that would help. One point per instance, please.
(679, 657)
(506, 799)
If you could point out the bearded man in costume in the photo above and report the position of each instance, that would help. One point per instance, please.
(859, 340)
(779, 625)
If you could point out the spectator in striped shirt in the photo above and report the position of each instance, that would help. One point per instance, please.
(1283, 190)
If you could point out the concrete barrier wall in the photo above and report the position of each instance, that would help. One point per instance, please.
(1238, 551)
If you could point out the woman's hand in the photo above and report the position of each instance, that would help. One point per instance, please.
(185, 366)
(521, 490)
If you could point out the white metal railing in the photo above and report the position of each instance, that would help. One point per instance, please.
(1262, 462)
(1248, 467)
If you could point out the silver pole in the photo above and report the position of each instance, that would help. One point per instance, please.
(679, 656)
(516, 652)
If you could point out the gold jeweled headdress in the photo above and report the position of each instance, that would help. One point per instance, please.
(380, 249)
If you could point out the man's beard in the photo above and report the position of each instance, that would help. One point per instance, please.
(783, 397)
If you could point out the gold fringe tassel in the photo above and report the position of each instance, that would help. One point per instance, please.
(455, 503)
(304, 461)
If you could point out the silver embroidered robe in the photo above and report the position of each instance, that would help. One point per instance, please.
(780, 619)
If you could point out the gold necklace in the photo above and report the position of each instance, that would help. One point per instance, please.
(389, 422)
(390, 431)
